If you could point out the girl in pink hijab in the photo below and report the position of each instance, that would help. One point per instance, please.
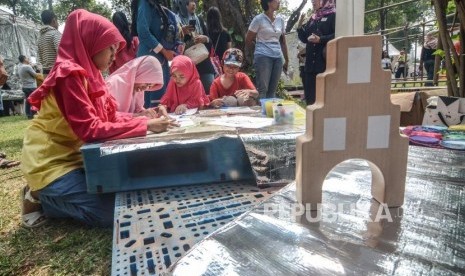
(74, 108)
(185, 90)
(128, 84)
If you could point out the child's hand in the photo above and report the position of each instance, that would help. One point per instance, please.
(180, 109)
(242, 93)
(217, 103)
(149, 112)
(246, 93)
(161, 111)
(160, 124)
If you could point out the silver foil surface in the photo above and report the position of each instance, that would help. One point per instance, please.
(271, 150)
(353, 234)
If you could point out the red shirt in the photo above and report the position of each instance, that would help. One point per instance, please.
(241, 81)
(94, 118)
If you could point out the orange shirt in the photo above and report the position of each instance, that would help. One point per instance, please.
(242, 81)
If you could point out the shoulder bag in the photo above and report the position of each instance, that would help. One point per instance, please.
(215, 59)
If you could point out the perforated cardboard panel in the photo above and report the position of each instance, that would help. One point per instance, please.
(154, 228)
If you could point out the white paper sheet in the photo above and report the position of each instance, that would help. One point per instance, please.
(242, 121)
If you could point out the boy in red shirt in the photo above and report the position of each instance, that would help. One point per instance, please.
(232, 82)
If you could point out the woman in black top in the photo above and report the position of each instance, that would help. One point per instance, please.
(221, 39)
(316, 33)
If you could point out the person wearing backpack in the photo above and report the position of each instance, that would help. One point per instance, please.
(158, 32)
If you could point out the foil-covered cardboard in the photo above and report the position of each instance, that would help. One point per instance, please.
(352, 234)
(271, 150)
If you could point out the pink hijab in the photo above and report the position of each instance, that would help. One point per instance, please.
(145, 69)
(85, 35)
(192, 93)
(326, 7)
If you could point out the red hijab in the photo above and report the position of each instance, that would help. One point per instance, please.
(85, 35)
(192, 93)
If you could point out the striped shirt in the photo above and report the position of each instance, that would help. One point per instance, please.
(48, 42)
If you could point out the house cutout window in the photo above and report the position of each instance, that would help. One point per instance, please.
(378, 132)
(334, 134)
(359, 65)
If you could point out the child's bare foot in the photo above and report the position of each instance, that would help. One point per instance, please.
(32, 213)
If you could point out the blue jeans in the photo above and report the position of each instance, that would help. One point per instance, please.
(27, 108)
(207, 80)
(429, 67)
(268, 72)
(67, 197)
(152, 98)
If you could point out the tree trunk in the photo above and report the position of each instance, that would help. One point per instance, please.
(382, 25)
(461, 56)
(295, 16)
(440, 9)
(249, 10)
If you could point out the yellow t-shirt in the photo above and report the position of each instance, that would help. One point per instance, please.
(50, 147)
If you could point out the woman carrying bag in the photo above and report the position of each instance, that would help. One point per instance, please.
(157, 30)
(195, 32)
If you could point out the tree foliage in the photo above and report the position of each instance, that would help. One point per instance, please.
(29, 9)
(454, 62)
(64, 7)
(400, 23)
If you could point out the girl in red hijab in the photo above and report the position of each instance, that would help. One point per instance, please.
(74, 107)
(185, 90)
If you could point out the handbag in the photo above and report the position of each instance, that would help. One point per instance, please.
(215, 59)
(449, 111)
(197, 53)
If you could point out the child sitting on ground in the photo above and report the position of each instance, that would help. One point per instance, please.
(128, 84)
(75, 107)
(185, 90)
(233, 84)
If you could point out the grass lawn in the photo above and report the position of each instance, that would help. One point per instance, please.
(61, 247)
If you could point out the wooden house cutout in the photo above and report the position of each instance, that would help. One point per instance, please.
(353, 118)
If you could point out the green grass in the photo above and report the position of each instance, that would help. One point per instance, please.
(62, 247)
